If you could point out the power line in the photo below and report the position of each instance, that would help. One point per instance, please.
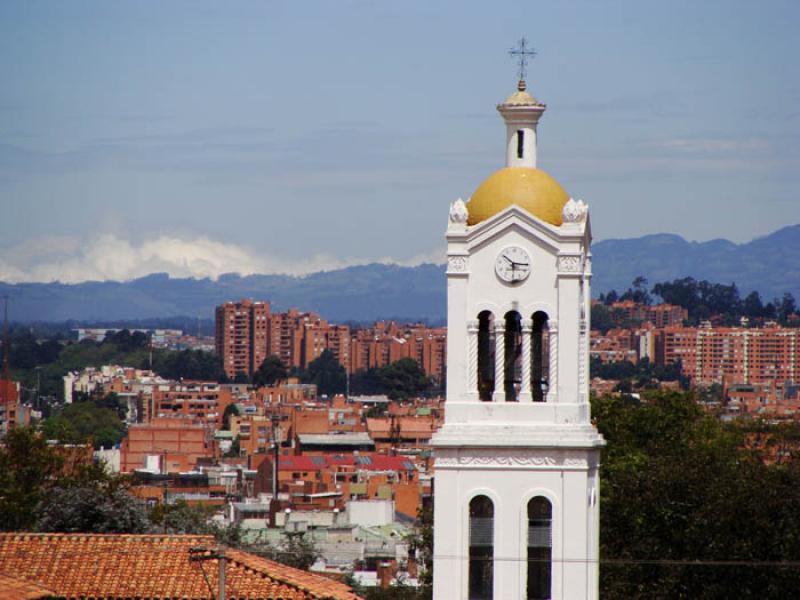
(599, 561)
(636, 561)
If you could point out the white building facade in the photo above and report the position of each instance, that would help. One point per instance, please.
(516, 462)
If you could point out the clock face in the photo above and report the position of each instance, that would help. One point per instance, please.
(513, 264)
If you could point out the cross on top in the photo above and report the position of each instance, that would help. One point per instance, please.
(521, 54)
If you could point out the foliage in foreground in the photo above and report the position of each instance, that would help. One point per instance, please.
(46, 488)
(689, 509)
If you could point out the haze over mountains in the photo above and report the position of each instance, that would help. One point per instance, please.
(769, 265)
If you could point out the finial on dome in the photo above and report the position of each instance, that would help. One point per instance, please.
(521, 54)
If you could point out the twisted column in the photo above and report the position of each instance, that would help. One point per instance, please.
(582, 352)
(499, 394)
(552, 374)
(525, 389)
(472, 358)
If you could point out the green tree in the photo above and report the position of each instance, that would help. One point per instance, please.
(230, 411)
(93, 508)
(270, 371)
(295, 549)
(80, 422)
(601, 318)
(235, 449)
(113, 402)
(638, 291)
(327, 373)
(404, 379)
(188, 364)
(126, 341)
(181, 517)
(689, 510)
(752, 306)
(400, 380)
(420, 545)
(29, 467)
(787, 307)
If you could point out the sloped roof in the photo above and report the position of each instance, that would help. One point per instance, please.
(112, 566)
(12, 588)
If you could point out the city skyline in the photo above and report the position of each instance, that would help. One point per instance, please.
(197, 140)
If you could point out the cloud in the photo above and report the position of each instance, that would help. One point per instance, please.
(109, 257)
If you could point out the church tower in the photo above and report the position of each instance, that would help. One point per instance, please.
(516, 461)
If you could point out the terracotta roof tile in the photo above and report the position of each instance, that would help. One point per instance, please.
(150, 567)
(12, 588)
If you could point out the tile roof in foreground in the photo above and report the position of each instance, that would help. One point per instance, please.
(12, 588)
(112, 566)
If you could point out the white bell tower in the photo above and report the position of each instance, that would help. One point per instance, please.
(516, 462)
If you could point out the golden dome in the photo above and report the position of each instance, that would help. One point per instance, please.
(531, 189)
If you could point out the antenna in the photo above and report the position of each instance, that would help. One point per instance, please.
(5, 340)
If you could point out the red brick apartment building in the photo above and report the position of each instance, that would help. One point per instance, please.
(178, 443)
(203, 401)
(242, 335)
(731, 354)
(247, 332)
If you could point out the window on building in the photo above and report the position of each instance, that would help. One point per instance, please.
(540, 558)
(485, 356)
(539, 357)
(513, 355)
(481, 548)
(520, 142)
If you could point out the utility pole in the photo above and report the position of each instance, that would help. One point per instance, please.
(36, 400)
(6, 348)
(221, 578)
(201, 554)
(275, 454)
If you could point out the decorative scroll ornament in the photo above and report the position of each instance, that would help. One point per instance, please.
(535, 461)
(456, 264)
(505, 458)
(575, 211)
(458, 214)
(569, 264)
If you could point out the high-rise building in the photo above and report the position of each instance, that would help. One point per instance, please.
(731, 354)
(242, 336)
(516, 461)
(247, 332)
(286, 334)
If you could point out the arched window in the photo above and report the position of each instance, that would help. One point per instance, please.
(486, 351)
(513, 355)
(539, 357)
(540, 558)
(481, 548)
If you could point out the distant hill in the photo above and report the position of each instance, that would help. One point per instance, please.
(362, 293)
(769, 265)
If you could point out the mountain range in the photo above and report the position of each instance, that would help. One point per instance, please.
(768, 265)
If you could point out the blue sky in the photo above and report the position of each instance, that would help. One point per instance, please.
(204, 137)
